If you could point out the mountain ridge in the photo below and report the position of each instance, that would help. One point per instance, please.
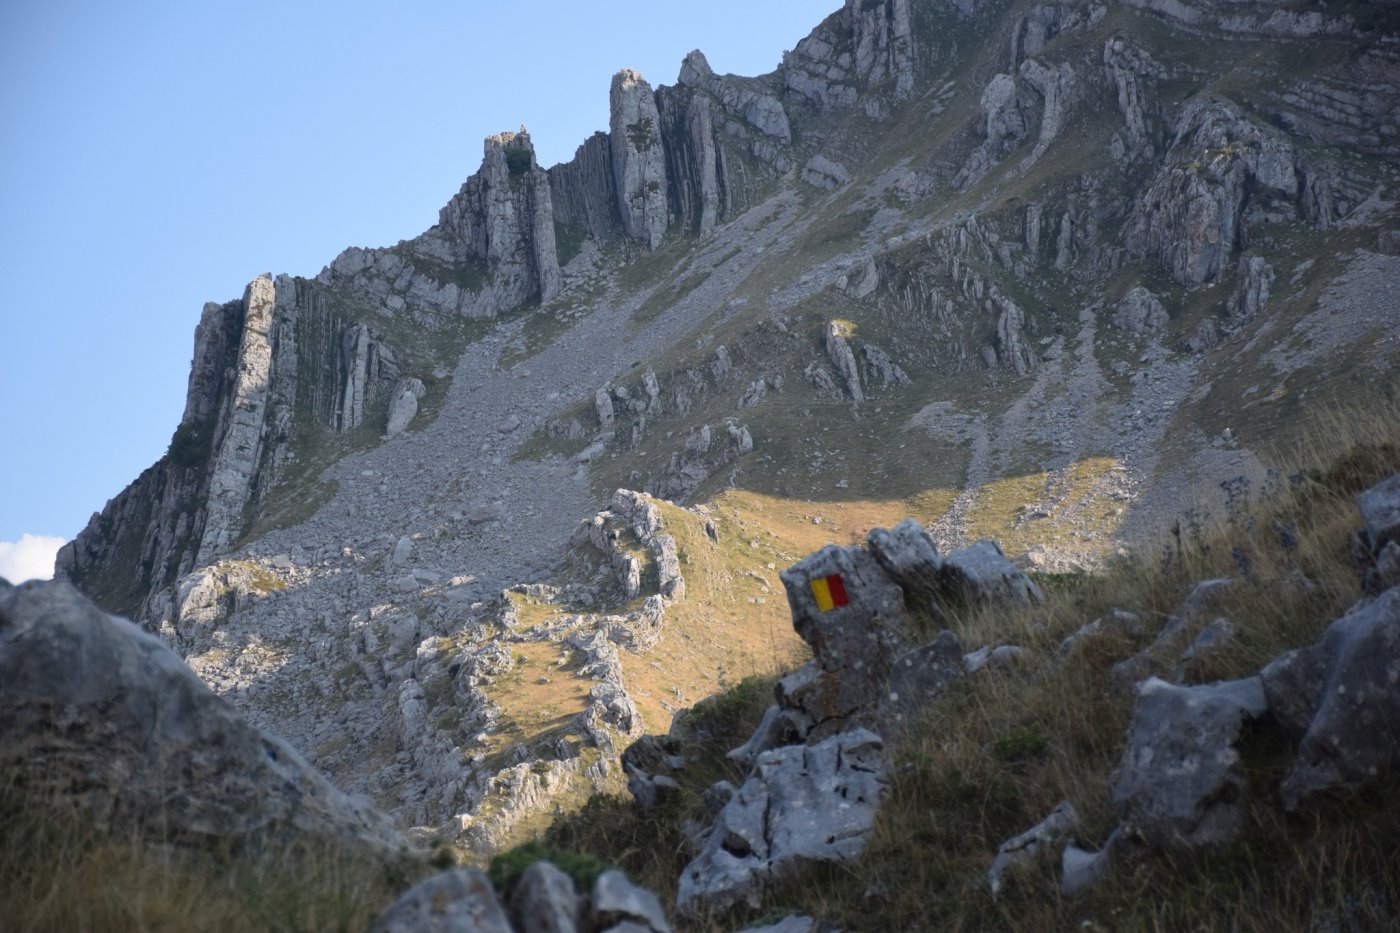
(1040, 248)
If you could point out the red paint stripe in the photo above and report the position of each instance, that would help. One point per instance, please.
(838, 590)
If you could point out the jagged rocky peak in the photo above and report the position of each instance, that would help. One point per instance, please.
(638, 159)
(869, 44)
(504, 214)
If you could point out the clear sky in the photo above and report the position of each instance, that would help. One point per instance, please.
(158, 155)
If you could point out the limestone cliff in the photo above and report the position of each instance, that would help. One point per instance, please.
(504, 215)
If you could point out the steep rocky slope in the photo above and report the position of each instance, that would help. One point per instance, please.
(1044, 272)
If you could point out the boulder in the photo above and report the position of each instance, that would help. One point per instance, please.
(882, 369)
(617, 900)
(544, 901)
(104, 714)
(403, 405)
(821, 172)
(1342, 697)
(917, 677)
(908, 554)
(981, 573)
(1178, 785)
(800, 804)
(1139, 312)
(843, 359)
(852, 615)
(451, 902)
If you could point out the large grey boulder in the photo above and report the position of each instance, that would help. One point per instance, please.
(800, 804)
(1342, 697)
(403, 405)
(980, 572)
(1139, 312)
(460, 901)
(908, 554)
(852, 614)
(104, 714)
(1178, 785)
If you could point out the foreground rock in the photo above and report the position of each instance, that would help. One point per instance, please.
(544, 901)
(140, 737)
(452, 902)
(1342, 696)
(1178, 785)
(801, 804)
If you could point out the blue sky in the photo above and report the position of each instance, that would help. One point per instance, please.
(158, 155)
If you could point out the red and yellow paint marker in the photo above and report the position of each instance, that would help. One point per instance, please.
(829, 591)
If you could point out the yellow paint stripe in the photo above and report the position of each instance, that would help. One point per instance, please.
(822, 591)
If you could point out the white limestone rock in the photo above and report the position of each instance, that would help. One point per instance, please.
(639, 162)
(603, 405)
(839, 351)
(980, 572)
(1222, 173)
(821, 172)
(910, 557)
(617, 900)
(883, 371)
(544, 901)
(800, 804)
(403, 405)
(240, 449)
(1380, 511)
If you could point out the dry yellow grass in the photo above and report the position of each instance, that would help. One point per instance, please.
(997, 753)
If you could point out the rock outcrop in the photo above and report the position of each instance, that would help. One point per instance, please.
(638, 160)
(867, 48)
(504, 216)
(141, 740)
(800, 804)
(1223, 174)
(1139, 312)
(1179, 785)
(1341, 699)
